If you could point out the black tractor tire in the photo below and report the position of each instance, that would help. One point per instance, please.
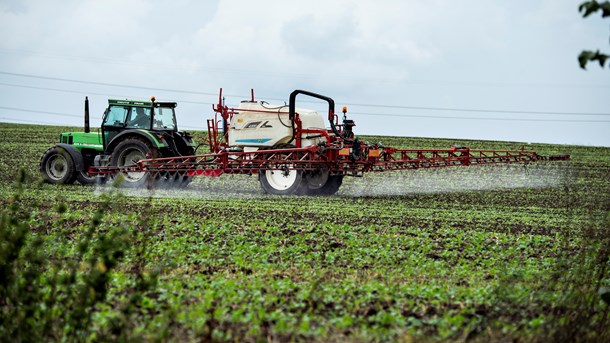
(85, 178)
(127, 153)
(57, 166)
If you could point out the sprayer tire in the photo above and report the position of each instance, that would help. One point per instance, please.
(331, 186)
(282, 182)
(127, 153)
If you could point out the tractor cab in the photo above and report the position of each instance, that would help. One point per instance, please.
(127, 115)
(154, 122)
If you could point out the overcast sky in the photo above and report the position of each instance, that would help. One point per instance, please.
(469, 69)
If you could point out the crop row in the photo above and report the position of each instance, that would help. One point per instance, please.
(490, 253)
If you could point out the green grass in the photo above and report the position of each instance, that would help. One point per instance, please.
(477, 253)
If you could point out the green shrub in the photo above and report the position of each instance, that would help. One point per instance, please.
(51, 294)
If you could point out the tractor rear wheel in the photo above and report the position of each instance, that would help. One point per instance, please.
(57, 166)
(127, 153)
(85, 178)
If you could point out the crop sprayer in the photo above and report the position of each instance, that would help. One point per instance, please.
(292, 150)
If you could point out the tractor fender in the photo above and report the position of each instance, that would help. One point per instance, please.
(154, 140)
(188, 139)
(184, 144)
(77, 157)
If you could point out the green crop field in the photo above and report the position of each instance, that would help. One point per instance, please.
(488, 253)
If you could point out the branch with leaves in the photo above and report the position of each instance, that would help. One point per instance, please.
(588, 8)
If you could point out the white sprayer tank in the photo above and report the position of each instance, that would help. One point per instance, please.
(257, 125)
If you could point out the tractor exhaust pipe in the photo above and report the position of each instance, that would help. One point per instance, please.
(87, 128)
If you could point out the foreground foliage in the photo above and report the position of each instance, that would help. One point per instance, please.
(511, 253)
(587, 8)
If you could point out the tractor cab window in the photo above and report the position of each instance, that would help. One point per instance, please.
(139, 118)
(164, 119)
(115, 116)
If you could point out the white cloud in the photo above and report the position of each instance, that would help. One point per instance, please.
(434, 53)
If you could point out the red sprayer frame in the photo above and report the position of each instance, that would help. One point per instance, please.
(313, 158)
(340, 154)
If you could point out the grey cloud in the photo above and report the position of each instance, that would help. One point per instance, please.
(321, 39)
(517, 55)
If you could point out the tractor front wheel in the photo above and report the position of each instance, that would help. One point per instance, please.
(126, 154)
(57, 166)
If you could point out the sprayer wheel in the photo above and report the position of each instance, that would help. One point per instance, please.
(317, 179)
(281, 182)
(332, 185)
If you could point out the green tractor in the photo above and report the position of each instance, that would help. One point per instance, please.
(131, 130)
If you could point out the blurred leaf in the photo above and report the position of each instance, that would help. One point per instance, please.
(604, 292)
(584, 58)
(602, 59)
(605, 9)
(583, 5)
(587, 56)
(588, 7)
